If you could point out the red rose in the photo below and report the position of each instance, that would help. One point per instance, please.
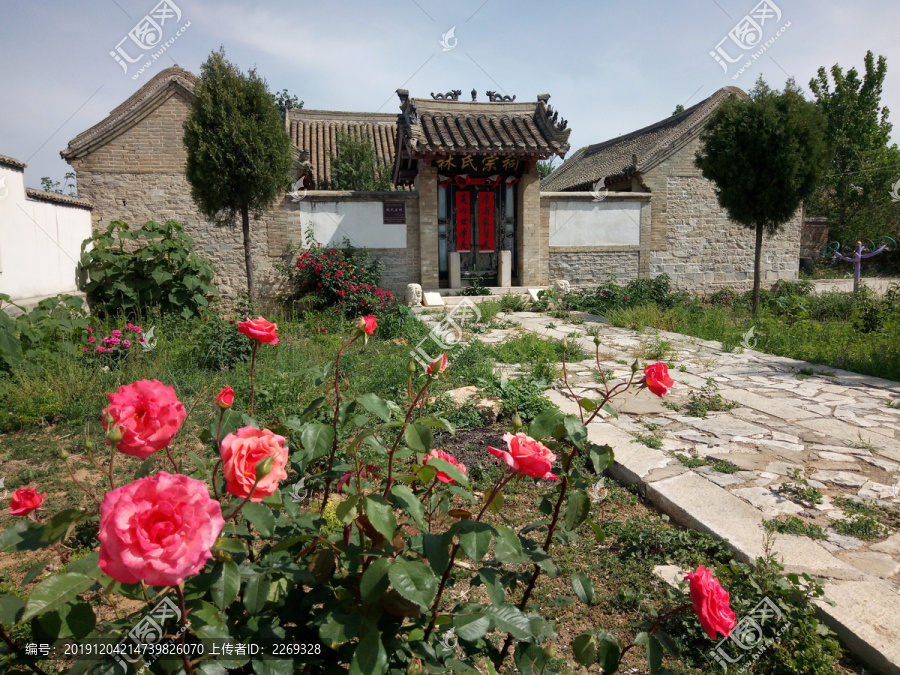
(25, 500)
(657, 378)
(439, 365)
(259, 329)
(527, 456)
(711, 603)
(225, 399)
(440, 454)
(367, 324)
(149, 414)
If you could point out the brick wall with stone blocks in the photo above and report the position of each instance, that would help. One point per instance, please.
(591, 268)
(533, 247)
(704, 250)
(426, 188)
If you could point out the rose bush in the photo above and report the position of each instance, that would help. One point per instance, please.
(341, 528)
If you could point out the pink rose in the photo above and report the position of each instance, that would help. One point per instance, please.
(527, 456)
(240, 454)
(440, 454)
(259, 329)
(711, 603)
(657, 378)
(158, 529)
(367, 324)
(149, 414)
(225, 399)
(25, 500)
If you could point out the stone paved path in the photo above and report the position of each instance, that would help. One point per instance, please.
(834, 427)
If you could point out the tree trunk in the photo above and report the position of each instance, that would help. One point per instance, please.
(757, 263)
(248, 257)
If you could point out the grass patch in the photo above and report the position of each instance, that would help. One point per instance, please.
(861, 527)
(795, 525)
(799, 490)
(707, 400)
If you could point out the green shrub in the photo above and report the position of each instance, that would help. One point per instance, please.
(55, 325)
(219, 345)
(159, 269)
(523, 395)
(512, 303)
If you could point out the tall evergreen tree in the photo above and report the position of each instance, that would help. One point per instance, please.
(765, 154)
(239, 155)
(855, 192)
(355, 164)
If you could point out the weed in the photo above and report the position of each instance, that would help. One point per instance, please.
(655, 350)
(682, 368)
(650, 440)
(692, 462)
(795, 525)
(800, 490)
(851, 507)
(724, 467)
(707, 400)
(512, 303)
(860, 526)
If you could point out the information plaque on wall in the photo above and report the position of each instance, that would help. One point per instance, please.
(394, 213)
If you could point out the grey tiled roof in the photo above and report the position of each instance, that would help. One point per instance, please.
(509, 127)
(11, 163)
(316, 131)
(57, 198)
(648, 146)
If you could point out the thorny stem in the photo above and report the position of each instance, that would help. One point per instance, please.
(409, 412)
(252, 368)
(655, 625)
(112, 458)
(215, 472)
(568, 386)
(246, 499)
(334, 424)
(15, 648)
(188, 666)
(501, 482)
(219, 430)
(172, 459)
(83, 488)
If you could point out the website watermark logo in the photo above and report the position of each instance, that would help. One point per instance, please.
(895, 192)
(3, 189)
(747, 35)
(147, 35)
(448, 40)
(148, 631)
(749, 636)
(449, 640)
(599, 191)
(299, 492)
(3, 487)
(147, 340)
(748, 341)
(598, 491)
(448, 334)
(298, 194)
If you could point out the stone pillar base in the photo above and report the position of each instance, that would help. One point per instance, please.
(504, 277)
(453, 269)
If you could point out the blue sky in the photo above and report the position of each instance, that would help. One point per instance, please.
(610, 67)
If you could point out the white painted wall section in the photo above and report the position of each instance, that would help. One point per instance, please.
(590, 223)
(360, 222)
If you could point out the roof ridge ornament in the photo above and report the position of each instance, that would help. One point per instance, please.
(452, 95)
(494, 97)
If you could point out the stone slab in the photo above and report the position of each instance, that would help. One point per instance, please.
(866, 618)
(432, 300)
(770, 406)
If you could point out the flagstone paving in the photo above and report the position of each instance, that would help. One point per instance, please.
(834, 427)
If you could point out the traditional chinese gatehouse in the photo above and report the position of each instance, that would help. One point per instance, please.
(474, 166)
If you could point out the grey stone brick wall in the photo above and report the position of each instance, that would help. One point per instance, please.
(704, 250)
(590, 268)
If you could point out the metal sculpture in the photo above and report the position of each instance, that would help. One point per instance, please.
(859, 254)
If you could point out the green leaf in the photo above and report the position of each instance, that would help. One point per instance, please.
(446, 467)
(545, 424)
(530, 658)
(668, 643)
(11, 609)
(74, 620)
(256, 592)
(578, 507)
(510, 619)
(612, 411)
(587, 404)
(374, 581)
(55, 592)
(576, 432)
(339, 628)
(418, 437)
(608, 652)
(22, 535)
(601, 457)
(407, 501)
(62, 523)
(508, 548)
(475, 539)
(375, 405)
(436, 551)
(583, 587)
(346, 510)
(261, 517)
(229, 545)
(272, 666)
(599, 532)
(414, 581)
(584, 647)
(381, 515)
(145, 468)
(317, 440)
(88, 566)
(33, 573)
(369, 658)
(471, 627)
(493, 585)
(226, 582)
(654, 655)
